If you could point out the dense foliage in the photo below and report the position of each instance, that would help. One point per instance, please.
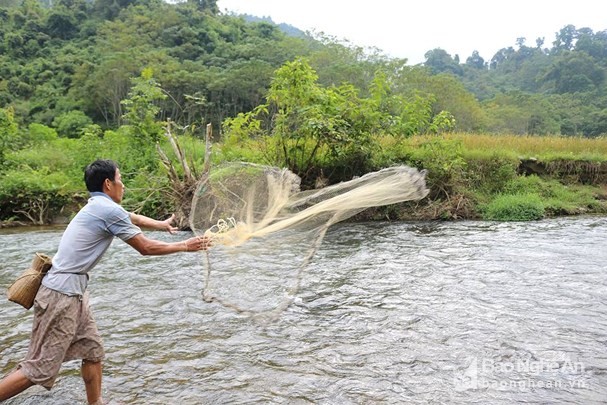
(84, 79)
(537, 89)
(71, 64)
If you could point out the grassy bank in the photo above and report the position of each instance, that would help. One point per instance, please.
(469, 176)
(482, 176)
(504, 177)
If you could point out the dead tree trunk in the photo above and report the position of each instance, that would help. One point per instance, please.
(183, 185)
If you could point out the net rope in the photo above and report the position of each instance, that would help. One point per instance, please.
(265, 231)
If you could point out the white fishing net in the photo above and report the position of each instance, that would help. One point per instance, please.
(265, 231)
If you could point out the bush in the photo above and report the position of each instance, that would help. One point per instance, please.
(34, 195)
(53, 155)
(71, 124)
(443, 159)
(490, 173)
(39, 134)
(557, 198)
(147, 193)
(515, 207)
(528, 184)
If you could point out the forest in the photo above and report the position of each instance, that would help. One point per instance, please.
(86, 79)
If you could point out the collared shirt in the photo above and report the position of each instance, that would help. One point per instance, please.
(84, 242)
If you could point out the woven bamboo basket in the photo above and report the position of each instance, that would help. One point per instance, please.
(24, 289)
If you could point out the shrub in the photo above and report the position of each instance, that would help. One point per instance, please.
(39, 134)
(148, 194)
(71, 124)
(558, 198)
(515, 207)
(490, 172)
(34, 195)
(443, 159)
(53, 155)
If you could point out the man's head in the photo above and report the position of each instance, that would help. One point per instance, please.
(104, 176)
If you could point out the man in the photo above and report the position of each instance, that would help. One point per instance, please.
(63, 327)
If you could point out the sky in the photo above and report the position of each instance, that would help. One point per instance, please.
(408, 29)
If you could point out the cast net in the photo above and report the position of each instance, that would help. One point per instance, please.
(265, 231)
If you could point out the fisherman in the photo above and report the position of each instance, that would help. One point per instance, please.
(63, 326)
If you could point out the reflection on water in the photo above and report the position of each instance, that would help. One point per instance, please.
(464, 312)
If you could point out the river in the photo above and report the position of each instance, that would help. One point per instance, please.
(388, 313)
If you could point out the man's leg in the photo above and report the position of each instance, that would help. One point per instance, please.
(91, 374)
(13, 384)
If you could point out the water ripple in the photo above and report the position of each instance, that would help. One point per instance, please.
(464, 312)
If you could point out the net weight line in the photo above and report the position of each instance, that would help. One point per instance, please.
(268, 316)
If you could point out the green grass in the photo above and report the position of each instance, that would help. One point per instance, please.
(515, 207)
(557, 198)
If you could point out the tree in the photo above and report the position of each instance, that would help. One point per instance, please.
(109, 9)
(575, 72)
(61, 23)
(439, 61)
(594, 45)
(310, 126)
(436, 93)
(521, 114)
(475, 61)
(539, 42)
(597, 124)
(206, 5)
(142, 109)
(101, 88)
(501, 57)
(565, 39)
(8, 132)
(71, 124)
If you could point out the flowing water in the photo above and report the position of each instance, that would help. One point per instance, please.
(459, 312)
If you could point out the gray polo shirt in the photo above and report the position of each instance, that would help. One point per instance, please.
(84, 242)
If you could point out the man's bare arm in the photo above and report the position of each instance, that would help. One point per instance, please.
(152, 247)
(146, 222)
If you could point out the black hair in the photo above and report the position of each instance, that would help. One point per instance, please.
(96, 173)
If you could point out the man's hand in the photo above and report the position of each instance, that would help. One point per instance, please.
(197, 243)
(167, 225)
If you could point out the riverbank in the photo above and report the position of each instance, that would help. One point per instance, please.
(504, 178)
(477, 190)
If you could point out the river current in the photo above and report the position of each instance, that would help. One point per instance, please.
(387, 313)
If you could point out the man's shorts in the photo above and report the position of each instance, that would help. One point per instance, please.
(63, 330)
